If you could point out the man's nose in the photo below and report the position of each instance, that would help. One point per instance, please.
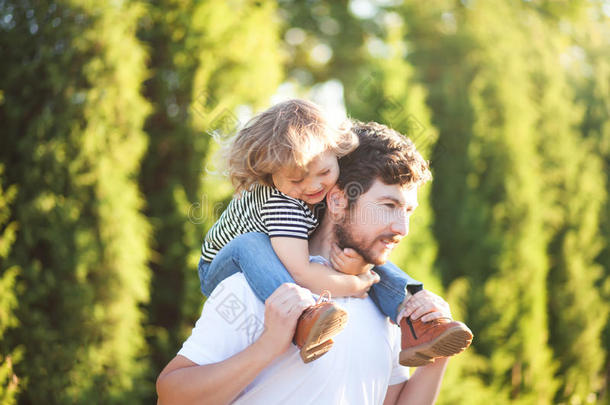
(400, 226)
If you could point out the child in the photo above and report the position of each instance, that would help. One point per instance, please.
(284, 162)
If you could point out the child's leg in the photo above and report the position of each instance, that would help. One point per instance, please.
(253, 255)
(392, 289)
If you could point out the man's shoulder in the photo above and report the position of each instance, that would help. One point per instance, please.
(235, 280)
(234, 305)
(235, 316)
(236, 291)
(236, 283)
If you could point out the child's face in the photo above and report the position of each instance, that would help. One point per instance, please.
(312, 184)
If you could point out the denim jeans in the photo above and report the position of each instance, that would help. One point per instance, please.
(253, 255)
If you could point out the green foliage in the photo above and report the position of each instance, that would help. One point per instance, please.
(591, 80)
(575, 193)
(509, 101)
(326, 24)
(9, 382)
(206, 59)
(487, 192)
(72, 141)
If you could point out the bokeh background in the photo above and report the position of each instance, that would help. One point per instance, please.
(111, 113)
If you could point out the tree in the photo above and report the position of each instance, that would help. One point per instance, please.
(591, 75)
(9, 382)
(575, 193)
(488, 194)
(206, 59)
(72, 140)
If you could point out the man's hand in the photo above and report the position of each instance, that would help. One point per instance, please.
(184, 382)
(282, 310)
(348, 261)
(426, 305)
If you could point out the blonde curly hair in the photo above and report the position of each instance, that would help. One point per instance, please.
(288, 135)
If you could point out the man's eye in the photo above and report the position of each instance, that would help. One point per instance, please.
(389, 205)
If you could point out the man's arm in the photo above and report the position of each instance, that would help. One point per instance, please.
(184, 382)
(422, 388)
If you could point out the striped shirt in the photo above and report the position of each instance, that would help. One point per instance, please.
(261, 209)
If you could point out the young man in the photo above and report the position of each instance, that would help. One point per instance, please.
(230, 356)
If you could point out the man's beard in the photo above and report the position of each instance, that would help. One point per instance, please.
(345, 239)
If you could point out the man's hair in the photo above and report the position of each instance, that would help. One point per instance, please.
(288, 135)
(382, 154)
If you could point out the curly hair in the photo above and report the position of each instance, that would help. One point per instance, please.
(288, 135)
(382, 154)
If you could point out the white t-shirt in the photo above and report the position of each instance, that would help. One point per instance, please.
(357, 370)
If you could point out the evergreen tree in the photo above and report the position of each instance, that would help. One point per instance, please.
(9, 382)
(575, 192)
(591, 78)
(72, 116)
(583, 27)
(488, 193)
(326, 26)
(206, 59)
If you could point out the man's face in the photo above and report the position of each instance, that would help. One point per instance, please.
(377, 221)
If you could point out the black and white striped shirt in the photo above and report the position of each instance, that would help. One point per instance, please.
(261, 209)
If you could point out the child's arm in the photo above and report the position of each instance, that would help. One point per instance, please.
(294, 254)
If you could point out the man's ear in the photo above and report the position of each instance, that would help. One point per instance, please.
(336, 201)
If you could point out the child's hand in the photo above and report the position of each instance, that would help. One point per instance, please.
(365, 281)
(348, 261)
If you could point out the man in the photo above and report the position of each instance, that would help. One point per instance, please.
(231, 357)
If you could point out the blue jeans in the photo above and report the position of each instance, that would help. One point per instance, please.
(253, 255)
